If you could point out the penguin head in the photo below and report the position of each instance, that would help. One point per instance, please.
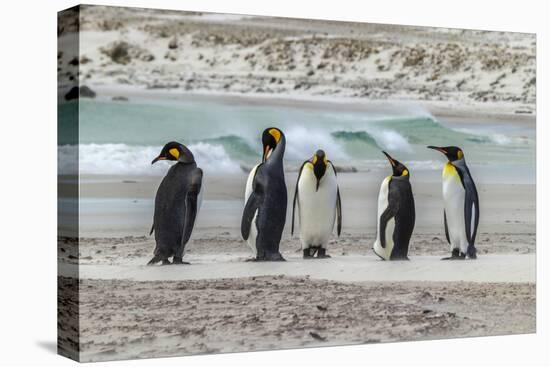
(270, 138)
(399, 168)
(320, 164)
(452, 153)
(175, 151)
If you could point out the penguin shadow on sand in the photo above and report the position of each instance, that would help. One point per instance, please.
(177, 204)
(396, 214)
(318, 205)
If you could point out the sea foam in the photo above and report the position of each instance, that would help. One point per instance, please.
(123, 159)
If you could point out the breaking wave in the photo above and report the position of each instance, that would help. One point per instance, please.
(122, 159)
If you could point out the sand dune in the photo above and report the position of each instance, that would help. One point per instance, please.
(247, 55)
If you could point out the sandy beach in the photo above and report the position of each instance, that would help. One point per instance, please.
(124, 319)
(222, 303)
(162, 75)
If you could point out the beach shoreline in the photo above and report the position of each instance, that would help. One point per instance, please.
(467, 113)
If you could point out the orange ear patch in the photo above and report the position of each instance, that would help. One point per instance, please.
(276, 134)
(175, 153)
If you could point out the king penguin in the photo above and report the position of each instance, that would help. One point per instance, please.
(264, 214)
(177, 204)
(319, 205)
(461, 203)
(396, 214)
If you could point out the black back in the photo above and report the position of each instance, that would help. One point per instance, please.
(400, 197)
(171, 201)
(269, 198)
(471, 205)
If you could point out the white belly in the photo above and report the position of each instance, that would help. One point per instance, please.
(253, 229)
(316, 209)
(384, 253)
(453, 198)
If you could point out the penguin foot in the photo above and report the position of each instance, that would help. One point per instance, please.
(453, 258)
(275, 257)
(456, 255)
(405, 258)
(179, 261)
(271, 257)
(322, 253)
(153, 261)
(307, 254)
(472, 253)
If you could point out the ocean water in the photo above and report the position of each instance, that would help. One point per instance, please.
(121, 138)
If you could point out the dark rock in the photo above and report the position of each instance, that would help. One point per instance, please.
(317, 336)
(85, 59)
(163, 86)
(85, 92)
(122, 52)
(344, 169)
(322, 65)
(173, 44)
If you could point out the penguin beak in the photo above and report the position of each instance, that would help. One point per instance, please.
(438, 149)
(159, 158)
(267, 149)
(392, 161)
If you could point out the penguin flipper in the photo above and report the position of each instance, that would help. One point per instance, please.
(471, 218)
(252, 205)
(446, 227)
(389, 213)
(191, 205)
(384, 218)
(338, 212)
(296, 197)
(471, 206)
(338, 204)
(152, 229)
